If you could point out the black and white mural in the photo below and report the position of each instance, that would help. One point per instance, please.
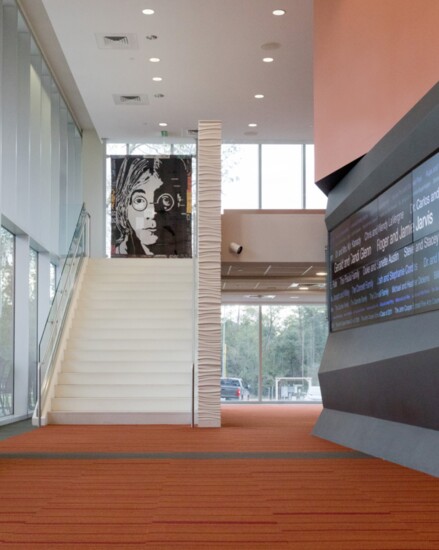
(151, 206)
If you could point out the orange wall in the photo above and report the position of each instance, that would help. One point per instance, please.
(373, 60)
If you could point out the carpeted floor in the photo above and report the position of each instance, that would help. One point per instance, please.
(261, 481)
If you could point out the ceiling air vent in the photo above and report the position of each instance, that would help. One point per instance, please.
(132, 99)
(117, 41)
(192, 133)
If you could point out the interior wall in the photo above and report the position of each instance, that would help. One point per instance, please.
(93, 173)
(372, 62)
(377, 378)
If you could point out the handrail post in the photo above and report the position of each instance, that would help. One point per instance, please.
(39, 393)
(193, 396)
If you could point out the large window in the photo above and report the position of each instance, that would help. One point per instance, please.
(254, 176)
(149, 149)
(282, 181)
(275, 350)
(240, 349)
(52, 281)
(293, 340)
(240, 177)
(33, 328)
(7, 276)
(314, 198)
(41, 196)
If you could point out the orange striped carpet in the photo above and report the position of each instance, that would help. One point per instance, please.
(311, 495)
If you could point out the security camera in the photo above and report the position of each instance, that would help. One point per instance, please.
(235, 248)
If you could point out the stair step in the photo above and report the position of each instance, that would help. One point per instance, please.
(145, 345)
(133, 292)
(75, 418)
(168, 314)
(128, 355)
(127, 334)
(123, 366)
(124, 281)
(133, 262)
(113, 391)
(105, 324)
(135, 304)
(102, 404)
(148, 266)
(120, 378)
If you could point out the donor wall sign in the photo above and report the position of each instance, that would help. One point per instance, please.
(385, 257)
(151, 206)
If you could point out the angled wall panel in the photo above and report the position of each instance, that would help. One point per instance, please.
(379, 380)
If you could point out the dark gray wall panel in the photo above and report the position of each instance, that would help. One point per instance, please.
(401, 389)
(416, 448)
(383, 379)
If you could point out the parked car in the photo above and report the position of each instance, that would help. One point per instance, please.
(233, 388)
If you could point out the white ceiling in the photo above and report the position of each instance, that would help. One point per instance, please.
(211, 63)
(295, 283)
(210, 60)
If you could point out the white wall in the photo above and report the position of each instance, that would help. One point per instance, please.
(41, 189)
(93, 170)
(274, 235)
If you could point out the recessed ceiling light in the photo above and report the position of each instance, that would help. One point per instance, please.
(252, 125)
(154, 59)
(259, 96)
(279, 12)
(163, 124)
(303, 287)
(260, 296)
(294, 285)
(157, 78)
(148, 11)
(268, 60)
(321, 273)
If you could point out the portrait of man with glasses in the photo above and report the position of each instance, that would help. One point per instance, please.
(151, 210)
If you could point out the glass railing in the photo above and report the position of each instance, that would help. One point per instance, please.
(48, 347)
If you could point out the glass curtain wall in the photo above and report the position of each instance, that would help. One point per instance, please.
(41, 196)
(275, 350)
(240, 348)
(282, 177)
(52, 281)
(269, 176)
(293, 340)
(7, 300)
(239, 176)
(33, 328)
(254, 176)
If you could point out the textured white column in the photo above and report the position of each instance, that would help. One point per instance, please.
(209, 274)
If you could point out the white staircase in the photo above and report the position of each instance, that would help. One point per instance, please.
(128, 357)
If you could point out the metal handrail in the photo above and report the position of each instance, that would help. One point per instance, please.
(53, 329)
(193, 398)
